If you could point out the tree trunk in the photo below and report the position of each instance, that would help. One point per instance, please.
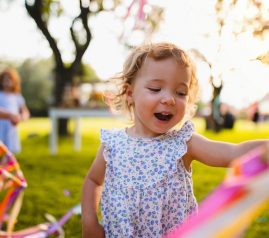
(215, 120)
(63, 77)
(63, 74)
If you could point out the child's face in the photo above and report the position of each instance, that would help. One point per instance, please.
(7, 83)
(159, 96)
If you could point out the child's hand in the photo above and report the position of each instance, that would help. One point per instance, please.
(98, 232)
(15, 119)
(93, 231)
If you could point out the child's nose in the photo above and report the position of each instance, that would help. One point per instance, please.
(169, 100)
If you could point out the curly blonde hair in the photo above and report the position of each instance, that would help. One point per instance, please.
(134, 62)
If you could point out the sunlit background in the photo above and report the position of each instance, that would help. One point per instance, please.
(227, 39)
(188, 23)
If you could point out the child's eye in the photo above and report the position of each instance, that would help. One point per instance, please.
(182, 94)
(154, 89)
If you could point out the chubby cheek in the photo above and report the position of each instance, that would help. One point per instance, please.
(146, 101)
(144, 109)
(143, 106)
(181, 108)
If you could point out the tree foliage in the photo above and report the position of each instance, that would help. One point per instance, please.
(36, 82)
(234, 18)
(255, 18)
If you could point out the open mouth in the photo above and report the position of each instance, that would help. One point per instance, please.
(163, 116)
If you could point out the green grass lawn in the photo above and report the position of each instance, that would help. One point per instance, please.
(55, 181)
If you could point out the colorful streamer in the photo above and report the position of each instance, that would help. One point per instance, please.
(136, 10)
(228, 210)
(140, 15)
(12, 184)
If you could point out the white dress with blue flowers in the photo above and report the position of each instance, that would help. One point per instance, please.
(147, 190)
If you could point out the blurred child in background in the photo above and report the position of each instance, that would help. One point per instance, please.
(13, 109)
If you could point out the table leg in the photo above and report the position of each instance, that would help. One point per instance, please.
(77, 134)
(53, 135)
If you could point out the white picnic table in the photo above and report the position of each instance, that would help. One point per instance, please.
(71, 113)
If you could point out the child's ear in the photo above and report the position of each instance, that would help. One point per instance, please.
(129, 94)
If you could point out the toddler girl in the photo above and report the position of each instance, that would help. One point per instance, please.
(142, 174)
(12, 109)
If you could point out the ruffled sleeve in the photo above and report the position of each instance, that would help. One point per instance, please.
(20, 100)
(107, 138)
(187, 131)
(181, 138)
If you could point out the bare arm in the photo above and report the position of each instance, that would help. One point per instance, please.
(216, 153)
(91, 194)
(24, 112)
(14, 118)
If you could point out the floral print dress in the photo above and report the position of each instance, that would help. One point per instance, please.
(147, 190)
